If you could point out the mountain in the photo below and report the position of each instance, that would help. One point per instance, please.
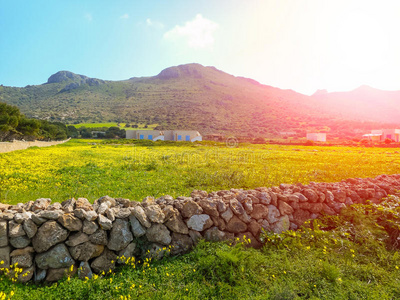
(188, 96)
(363, 103)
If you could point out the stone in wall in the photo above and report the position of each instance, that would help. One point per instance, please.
(47, 239)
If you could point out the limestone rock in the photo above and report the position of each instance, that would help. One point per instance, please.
(104, 222)
(195, 236)
(76, 239)
(190, 208)
(273, 214)
(23, 258)
(248, 205)
(57, 257)
(37, 220)
(169, 212)
(15, 229)
(236, 207)
(300, 216)
(284, 208)
(221, 206)
(30, 228)
(89, 227)
(199, 222)
(126, 253)
(227, 215)
(41, 204)
(105, 262)
(139, 213)
(250, 240)
(259, 211)
(121, 213)
(264, 198)
(99, 237)
(110, 214)
(236, 225)
(176, 224)
(58, 274)
(68, 205)
(21, 217)
(154, 213)
(340, 195)
(70, 222)
(83, 203)
(48, 235)
(181, 243)
(215, 235)
(90, 215)
(149, 201)
(20, 241)
(209, 207)
(84, 270)
(311, 195)
(137, 229)
(3, 234)
(5, 256)
(281, 225)
(24, 276)
(39, 275)
(120, 235)
(255, 228)
(159, 233)
(86, 251)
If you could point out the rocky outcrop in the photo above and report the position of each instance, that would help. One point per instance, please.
(49, 240)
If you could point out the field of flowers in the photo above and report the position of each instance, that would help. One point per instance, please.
(90, 168)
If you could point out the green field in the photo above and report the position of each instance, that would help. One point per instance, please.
(91, 169)
(353, 260)
(114, 124)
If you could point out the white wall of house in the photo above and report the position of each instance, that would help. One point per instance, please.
(166, 135)
(316, 137)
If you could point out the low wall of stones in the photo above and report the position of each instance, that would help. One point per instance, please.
(48, 240)
(22, 145)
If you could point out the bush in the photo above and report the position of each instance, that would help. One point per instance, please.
(388, 141)
(309, 143)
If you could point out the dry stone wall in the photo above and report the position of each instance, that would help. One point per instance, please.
(22, 145)
(48, 240)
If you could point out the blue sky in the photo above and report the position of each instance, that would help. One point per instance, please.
(299, 44)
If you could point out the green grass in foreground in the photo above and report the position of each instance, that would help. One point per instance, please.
(354, 259)
(91, 169)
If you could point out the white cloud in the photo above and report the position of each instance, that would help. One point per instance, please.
(155, 24)
(89, 17)
(124, 16)
(197, 33)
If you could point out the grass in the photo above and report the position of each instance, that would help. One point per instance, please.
(91, 169)
(352, 260)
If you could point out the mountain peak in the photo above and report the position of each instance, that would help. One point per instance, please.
(61, 76)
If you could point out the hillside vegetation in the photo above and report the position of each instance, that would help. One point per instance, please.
(14, 125)
(192, 97)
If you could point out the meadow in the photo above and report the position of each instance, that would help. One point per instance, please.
(92, 168)
(354, 259)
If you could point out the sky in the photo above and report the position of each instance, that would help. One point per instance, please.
(302, 45)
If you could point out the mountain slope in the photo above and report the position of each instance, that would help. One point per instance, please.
(363, 103)
(187, 96)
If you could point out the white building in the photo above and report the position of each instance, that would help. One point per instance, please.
(316, 137)
(165, 135)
